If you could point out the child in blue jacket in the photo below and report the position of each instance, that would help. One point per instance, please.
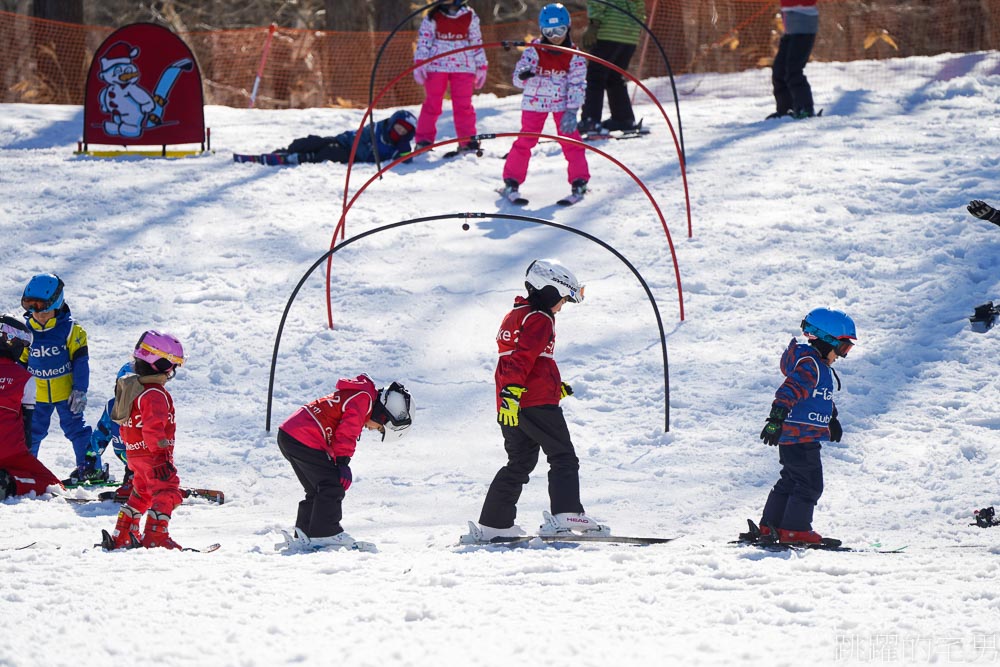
(803, 414)
(392, 139)
(58, 358)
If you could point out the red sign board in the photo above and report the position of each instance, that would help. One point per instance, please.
(143, 89)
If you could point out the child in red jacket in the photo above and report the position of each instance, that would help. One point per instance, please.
(145, 411)
(528, 392)
(319, 440)
(20, 472)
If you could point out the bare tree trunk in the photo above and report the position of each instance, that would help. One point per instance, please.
(67, 11)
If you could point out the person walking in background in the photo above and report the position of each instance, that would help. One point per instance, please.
(792, 93)
(613, 36)
(449, 26)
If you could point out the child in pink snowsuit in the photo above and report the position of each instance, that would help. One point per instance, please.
(448, 27)
(553, 82)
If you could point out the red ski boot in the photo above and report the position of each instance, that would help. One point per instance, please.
(799, 537)
(156, 535)
(126, 533)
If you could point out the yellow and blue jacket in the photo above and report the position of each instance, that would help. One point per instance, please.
(59, 358)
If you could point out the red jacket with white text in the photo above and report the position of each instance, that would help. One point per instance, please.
(526, 343)
(334, 423)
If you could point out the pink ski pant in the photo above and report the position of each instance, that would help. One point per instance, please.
(461, 104)
(516, 166)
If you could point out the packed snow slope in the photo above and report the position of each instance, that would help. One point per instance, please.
(862, 209)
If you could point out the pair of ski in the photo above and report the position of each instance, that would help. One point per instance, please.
(107, 544)
(514, 197)
(562, 538)
(211, 495)
(753, 538)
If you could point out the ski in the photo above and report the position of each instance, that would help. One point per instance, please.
(161, 93)
(21, 548)
(617, 135)
(780, 546)
(514, 197)
(567, 539)
(570, 200)
(270, 159)
(107, 544)
(463, 151)
(210, 495)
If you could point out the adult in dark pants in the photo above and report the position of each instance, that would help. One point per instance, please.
(528, 392)
(319, 440)
(612, 36)
(803, 413)
(792, 93)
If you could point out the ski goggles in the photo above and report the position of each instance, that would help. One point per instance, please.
(13, 333)
(557, 32)
(36, 305)
(843, 346)
(399, 130)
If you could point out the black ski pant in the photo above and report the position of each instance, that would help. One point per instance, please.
(791, 88)
(320, 512)
(319, 149)
(600, 79)
(791, 502)
(540, 428)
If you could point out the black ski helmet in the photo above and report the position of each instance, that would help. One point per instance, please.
(15, 336)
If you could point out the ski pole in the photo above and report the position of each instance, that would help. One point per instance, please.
(263, 60)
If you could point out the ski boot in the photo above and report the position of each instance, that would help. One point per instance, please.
(340, 541)
(480, 534)
(805, 538)
(126, 532)
(155, 534)
(571, 522)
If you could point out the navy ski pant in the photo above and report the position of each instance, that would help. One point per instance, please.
(791, 502)
(540, 429)
(320, 512)
(791, 88)
(72, 424)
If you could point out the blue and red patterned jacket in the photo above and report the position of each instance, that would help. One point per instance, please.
(807, 392)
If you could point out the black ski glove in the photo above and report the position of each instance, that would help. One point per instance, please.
(984, 211)
(163, 471)
(836, 430)
(775, 422)
(344, 469)
(525, 74)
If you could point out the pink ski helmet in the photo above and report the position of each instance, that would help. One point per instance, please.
(160, 350)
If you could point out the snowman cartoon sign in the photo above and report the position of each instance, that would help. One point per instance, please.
(143, 89)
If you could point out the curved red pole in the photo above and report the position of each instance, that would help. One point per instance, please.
(506, 45)
(376, 176)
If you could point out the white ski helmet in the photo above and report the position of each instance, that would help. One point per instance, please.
(549, 273)
(393, 409)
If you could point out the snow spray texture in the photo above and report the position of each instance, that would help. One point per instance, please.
(143, 89)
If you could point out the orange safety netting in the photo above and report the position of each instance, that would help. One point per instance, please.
(46, 61)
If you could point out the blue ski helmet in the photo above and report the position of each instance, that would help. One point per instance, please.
(832, 327)
(554, 21)
(43, 292)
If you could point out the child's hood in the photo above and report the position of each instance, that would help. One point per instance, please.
(360, 383)
(794, 353)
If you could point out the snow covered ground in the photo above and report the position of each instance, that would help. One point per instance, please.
(862, 209)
